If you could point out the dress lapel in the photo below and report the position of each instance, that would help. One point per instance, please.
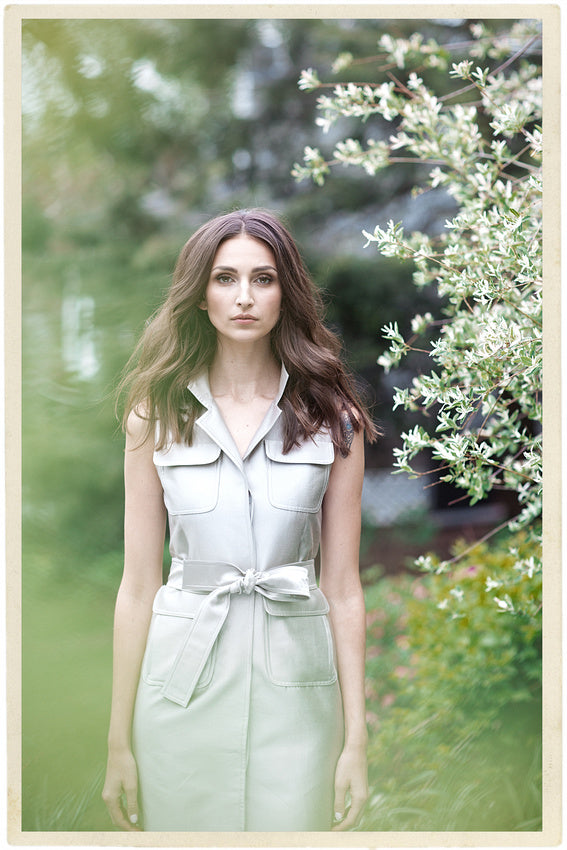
(213, 424)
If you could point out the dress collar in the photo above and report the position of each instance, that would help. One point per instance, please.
(200, 388)
(213, 424)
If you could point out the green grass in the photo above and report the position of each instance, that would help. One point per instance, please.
(66, 686)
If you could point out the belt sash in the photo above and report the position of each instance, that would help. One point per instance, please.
(220, 581)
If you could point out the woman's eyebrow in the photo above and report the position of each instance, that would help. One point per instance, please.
(232, 269)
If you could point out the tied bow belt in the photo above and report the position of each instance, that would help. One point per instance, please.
(220, 581)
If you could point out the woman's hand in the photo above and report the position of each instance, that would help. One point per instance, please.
(351, 778)
(120, 792)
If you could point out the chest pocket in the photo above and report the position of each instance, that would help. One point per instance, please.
(190, 476)
(297, 480)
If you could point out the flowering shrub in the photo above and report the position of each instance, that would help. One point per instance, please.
(483, 144)
(452, 686)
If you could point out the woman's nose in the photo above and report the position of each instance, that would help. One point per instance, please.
(244, 295)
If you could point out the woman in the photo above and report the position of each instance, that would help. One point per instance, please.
(234, 709)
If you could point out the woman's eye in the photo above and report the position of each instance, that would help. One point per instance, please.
(264, 279)
(224, 278)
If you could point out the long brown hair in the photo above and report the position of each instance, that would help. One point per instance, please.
(180, 342)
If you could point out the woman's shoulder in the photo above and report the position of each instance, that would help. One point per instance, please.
(137, 426)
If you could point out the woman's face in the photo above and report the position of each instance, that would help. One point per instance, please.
(243, 295)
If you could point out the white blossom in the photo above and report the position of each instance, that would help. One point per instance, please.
(309, 80)
(487, 264)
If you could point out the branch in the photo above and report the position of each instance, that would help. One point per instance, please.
(486, 537)
(492, 73)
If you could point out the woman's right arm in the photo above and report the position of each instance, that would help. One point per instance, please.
(144, 534)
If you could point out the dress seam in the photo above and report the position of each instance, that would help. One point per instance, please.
(251, 616)
(246, 720)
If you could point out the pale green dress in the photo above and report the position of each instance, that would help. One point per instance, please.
(238, 721)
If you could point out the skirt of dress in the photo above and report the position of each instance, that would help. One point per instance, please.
(255, 748)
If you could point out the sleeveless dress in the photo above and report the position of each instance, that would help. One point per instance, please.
(238, 720)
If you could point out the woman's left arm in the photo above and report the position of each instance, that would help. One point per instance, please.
(340, 582)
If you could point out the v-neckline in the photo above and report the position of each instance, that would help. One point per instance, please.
(233, 431)
(213, 422)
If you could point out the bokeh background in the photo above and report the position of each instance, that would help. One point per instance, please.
(134, 133)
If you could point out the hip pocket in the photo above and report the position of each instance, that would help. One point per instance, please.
(173, 616)
(298, 642)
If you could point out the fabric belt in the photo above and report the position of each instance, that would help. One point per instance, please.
(220, 581)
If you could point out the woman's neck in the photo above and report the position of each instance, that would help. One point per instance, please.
(244, 373)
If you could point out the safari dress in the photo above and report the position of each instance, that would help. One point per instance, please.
(238, 719)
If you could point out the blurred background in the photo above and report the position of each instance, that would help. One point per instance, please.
(134, 133)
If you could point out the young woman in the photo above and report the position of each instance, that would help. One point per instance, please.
(238, 687)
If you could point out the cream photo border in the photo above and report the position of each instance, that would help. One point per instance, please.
(549, 14)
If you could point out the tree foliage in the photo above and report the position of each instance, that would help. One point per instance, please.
(482, 399)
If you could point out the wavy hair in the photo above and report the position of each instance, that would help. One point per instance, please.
(179, 342)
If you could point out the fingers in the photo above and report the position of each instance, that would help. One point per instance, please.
(123, 820)
(122, 806)
(112, 803)
(340, 799)
(350, 797)
(351, 818)
(120, 820)
(132, 806)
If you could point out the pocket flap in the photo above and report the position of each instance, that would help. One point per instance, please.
(316, 604)
(307, 452)
(179, 454)
(176, 603)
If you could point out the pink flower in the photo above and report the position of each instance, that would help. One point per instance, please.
(373, 652)
(418, 591)
(388, 700)
(372, 719)
(370, 690)
(378, 615)
(371, 617)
